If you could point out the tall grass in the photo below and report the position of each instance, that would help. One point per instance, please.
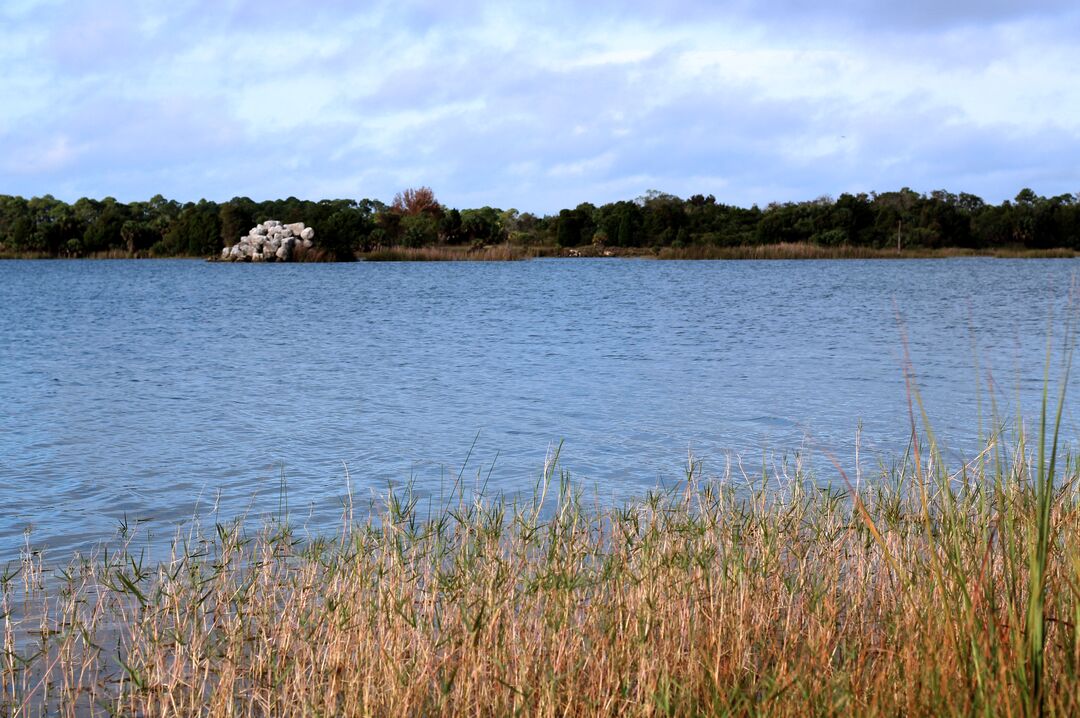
(495, 253)
(927, 592)
(806, 250)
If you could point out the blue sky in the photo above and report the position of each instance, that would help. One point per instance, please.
(535, 105)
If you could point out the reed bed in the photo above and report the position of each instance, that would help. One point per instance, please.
(783, 250)
(495, 253)
(805, 250)
(924, 592)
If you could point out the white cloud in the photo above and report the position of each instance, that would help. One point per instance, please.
(583, 168)
(537, 107)
(48, 156)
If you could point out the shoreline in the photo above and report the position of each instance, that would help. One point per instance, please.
(501, 253)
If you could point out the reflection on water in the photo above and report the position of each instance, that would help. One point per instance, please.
(154, 389)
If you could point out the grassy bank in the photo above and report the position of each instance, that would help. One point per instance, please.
(924, 592)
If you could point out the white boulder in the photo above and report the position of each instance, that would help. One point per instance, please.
(270, 241)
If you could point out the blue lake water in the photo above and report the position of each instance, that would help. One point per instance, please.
(153, 390)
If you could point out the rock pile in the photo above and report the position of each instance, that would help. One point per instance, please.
(270, 241)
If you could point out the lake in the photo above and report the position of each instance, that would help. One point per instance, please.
(154, 390)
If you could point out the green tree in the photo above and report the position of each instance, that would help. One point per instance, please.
(569, 231)
(626, 231)
(419, 230)
(450, 227)
(483, 226)
(104, 230)
(346, 231)
(195, 232)
(55, 226)
(237, 218)
(16, 225)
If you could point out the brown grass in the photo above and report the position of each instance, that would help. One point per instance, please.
(493, 253)
(802, 250)
(313, 254)
(102, 254)
(776, 251)
(725, 596)
(1025, 253)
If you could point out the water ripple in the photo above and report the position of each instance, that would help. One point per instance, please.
(153, 390)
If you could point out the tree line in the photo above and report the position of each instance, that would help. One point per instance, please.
(46, 226)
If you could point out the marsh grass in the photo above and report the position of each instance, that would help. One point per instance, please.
(805, 250)
(114, 253)
(927, 592)
(494, 253)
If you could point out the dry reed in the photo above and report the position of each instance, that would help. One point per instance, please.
(715, 598)
(493, 253)
(805, 250)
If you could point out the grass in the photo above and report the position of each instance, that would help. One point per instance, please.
(927, 592)
(101, 254)
(494, 253)
(797, 250)
(803, 250)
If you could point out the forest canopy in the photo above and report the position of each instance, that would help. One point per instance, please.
(159, 227)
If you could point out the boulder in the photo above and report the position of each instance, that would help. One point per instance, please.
(270, 241)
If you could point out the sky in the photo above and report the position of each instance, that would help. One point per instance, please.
(537, 105)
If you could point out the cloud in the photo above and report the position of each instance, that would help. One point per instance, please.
(538, 107)
(914, 15)
(45, 155)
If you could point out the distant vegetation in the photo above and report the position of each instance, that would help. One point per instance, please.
(655, 224)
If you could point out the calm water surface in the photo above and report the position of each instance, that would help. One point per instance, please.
(154, 389)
